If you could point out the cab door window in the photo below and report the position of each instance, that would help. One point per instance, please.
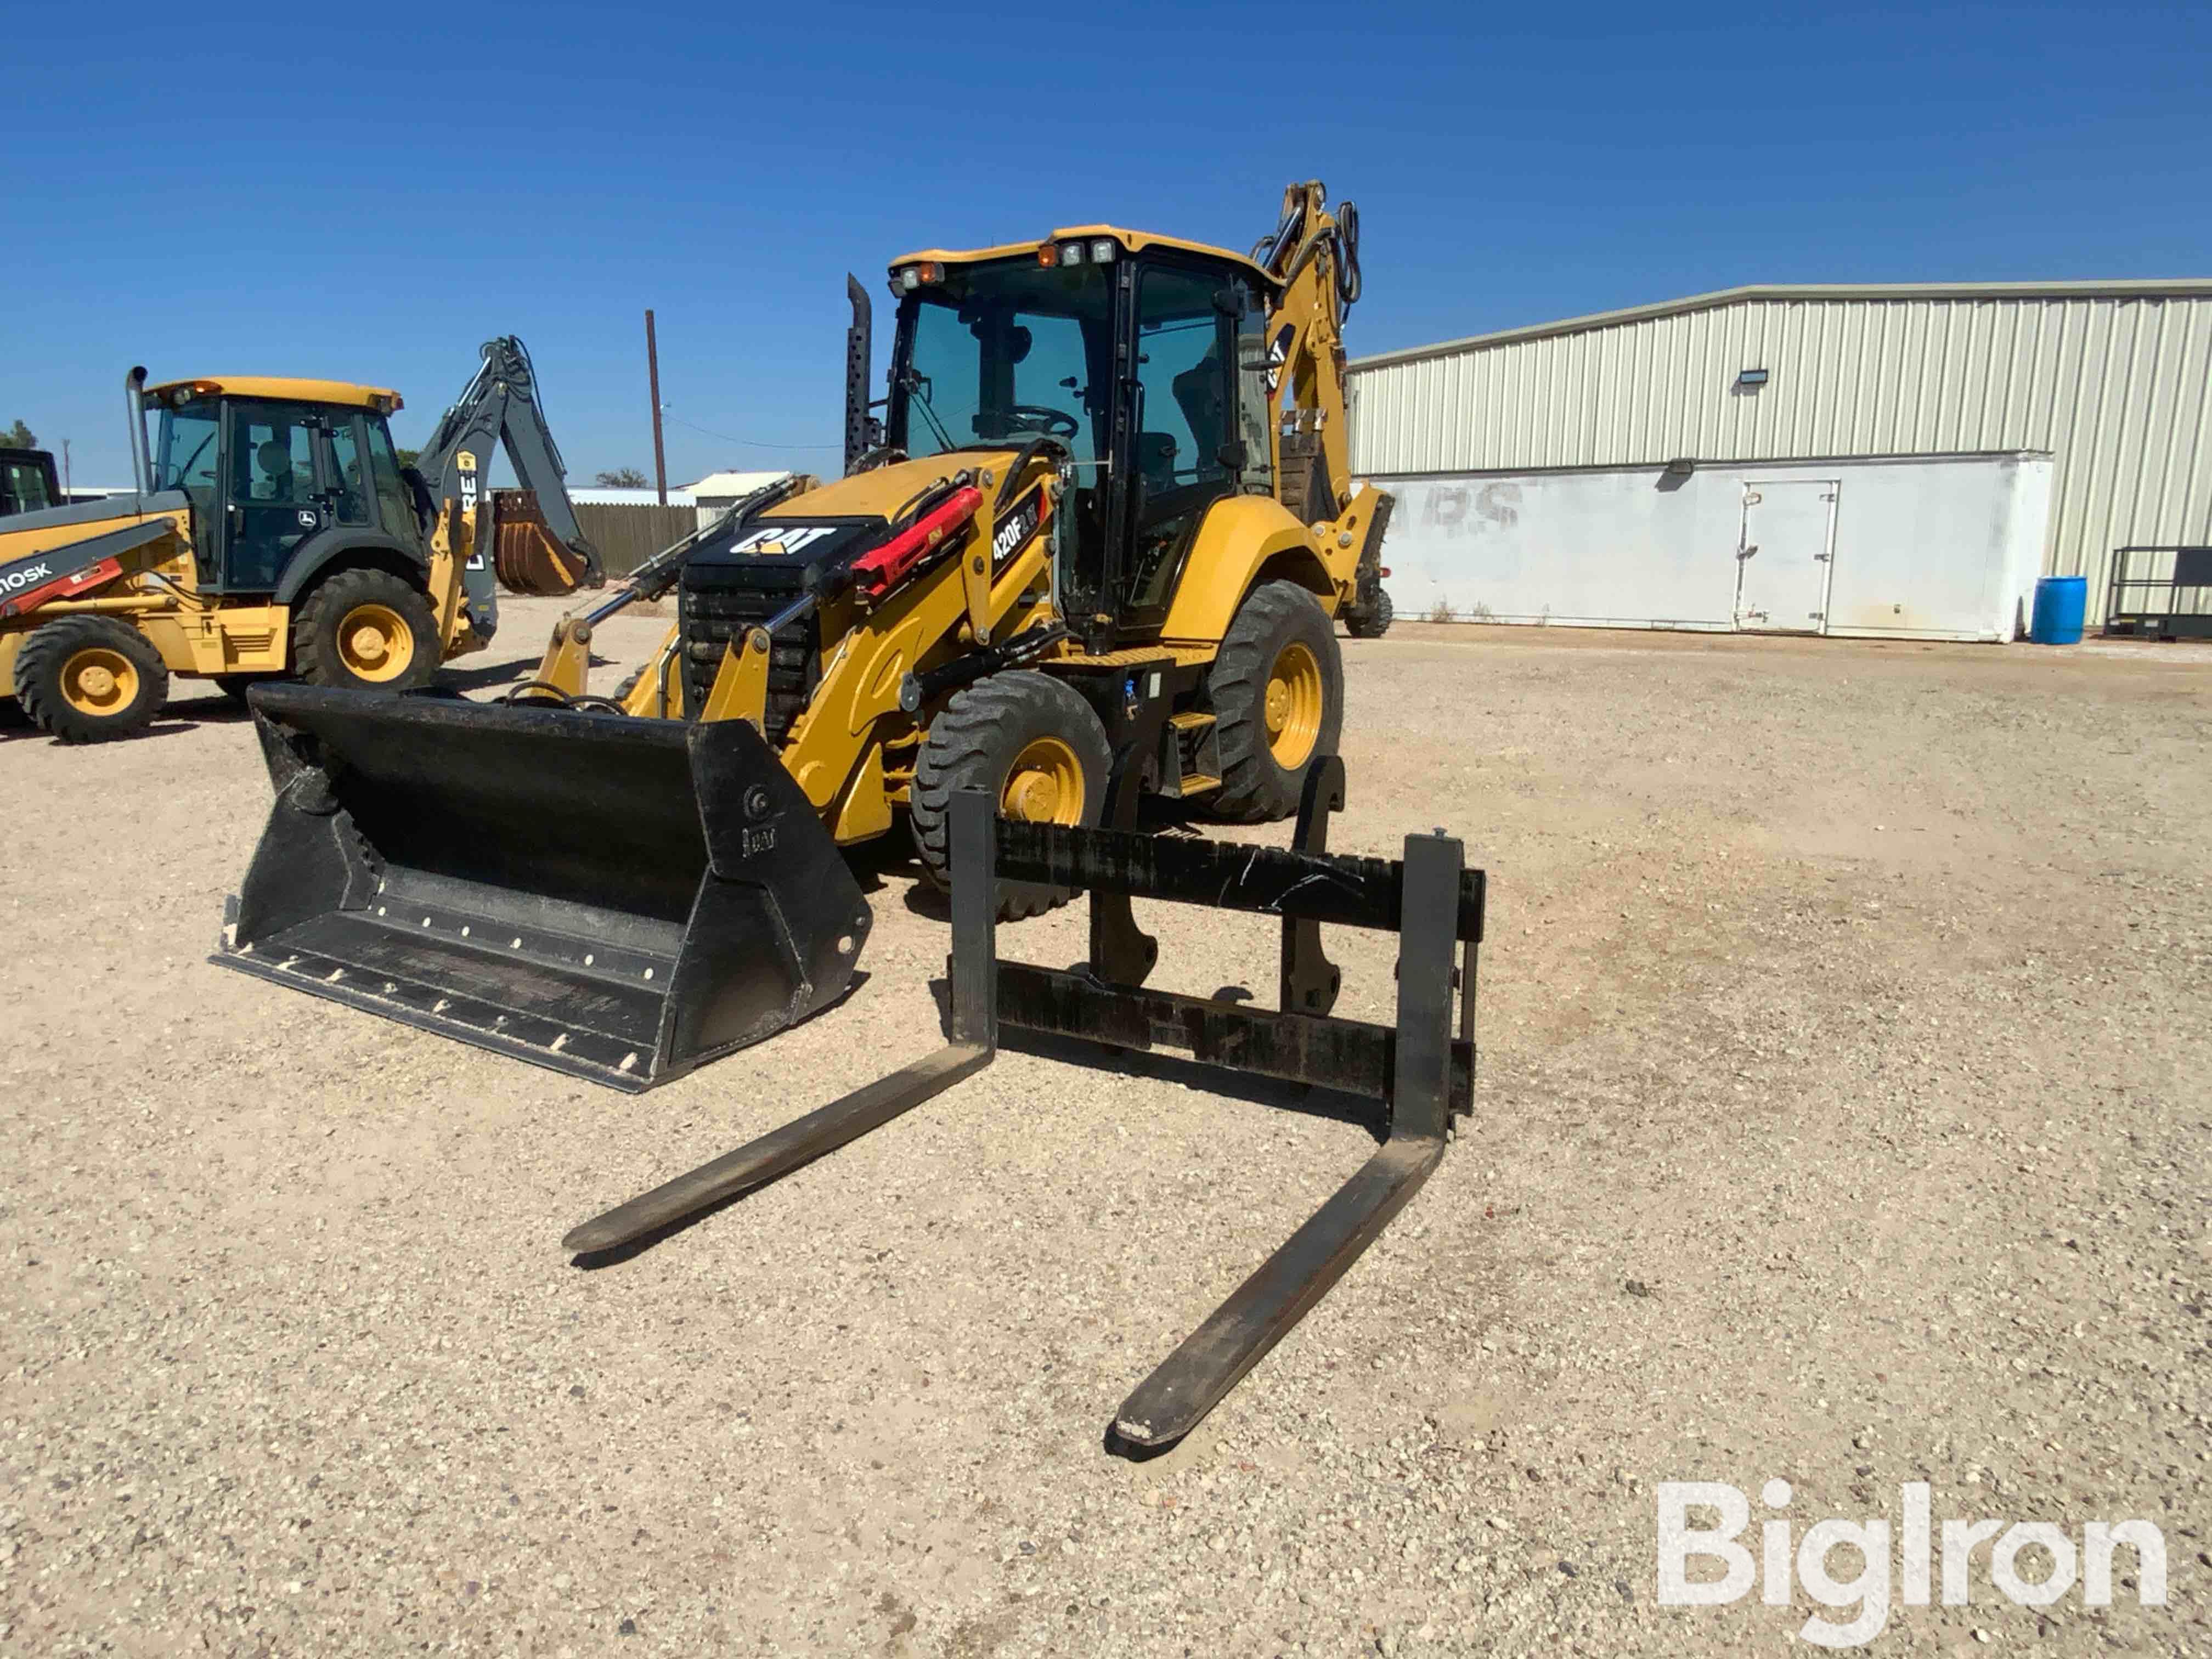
(350, 484)
(1187, 422)
(275, 495)
(395, 502)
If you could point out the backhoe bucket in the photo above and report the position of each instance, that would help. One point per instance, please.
(618, 899)
(527, 555)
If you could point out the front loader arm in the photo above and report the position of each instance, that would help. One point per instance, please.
(566, 666)
(908, 604)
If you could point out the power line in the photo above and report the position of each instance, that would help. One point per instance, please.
(749, 443)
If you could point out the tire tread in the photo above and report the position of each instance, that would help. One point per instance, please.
(38, 678)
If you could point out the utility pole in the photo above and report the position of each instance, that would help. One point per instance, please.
(653, 377)
(65, 468)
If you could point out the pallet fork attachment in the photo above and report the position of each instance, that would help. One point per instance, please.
(1418, 1074)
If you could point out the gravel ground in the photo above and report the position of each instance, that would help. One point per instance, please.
(1842, 1119)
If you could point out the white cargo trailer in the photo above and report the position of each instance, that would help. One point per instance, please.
(1925, 547)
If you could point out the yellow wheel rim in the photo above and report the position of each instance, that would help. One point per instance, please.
(99, 682)
(1295, 697)
(1044, 785)
(375, 643)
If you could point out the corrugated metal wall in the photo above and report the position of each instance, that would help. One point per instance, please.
(2118, 389)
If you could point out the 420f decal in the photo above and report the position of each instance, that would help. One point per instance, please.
(1022, 521)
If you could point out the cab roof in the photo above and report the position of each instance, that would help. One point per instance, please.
(1132, 241)
(382, 399)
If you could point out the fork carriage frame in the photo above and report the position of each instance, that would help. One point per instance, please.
(1417, 1073)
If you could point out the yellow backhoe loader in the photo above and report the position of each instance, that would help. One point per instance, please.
(1095, 545)
(272, 533)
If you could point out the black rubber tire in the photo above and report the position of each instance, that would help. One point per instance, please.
(315, 655)
(973, 744)
(45, 657)
(1254, 786)
(1374, 622)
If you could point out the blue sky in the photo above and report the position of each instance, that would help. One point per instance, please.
(367, 196)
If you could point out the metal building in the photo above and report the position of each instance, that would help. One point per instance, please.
(2113, 380)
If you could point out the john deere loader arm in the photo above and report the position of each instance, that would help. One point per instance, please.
(538, 545)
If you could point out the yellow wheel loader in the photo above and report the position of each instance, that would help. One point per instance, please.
(273, 533)
(1094, 547)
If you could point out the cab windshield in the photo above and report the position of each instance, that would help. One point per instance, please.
(184, 452)
(999, 353)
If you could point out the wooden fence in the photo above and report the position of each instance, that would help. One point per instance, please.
(627, 536)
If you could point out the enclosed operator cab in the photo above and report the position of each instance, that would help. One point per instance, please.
(284, 476)
(29, 483)
(1144, 355)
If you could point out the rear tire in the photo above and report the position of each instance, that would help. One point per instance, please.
(1278, 693)
(1373, 622)
(368, 630)
(1035, 746)
(90, 679)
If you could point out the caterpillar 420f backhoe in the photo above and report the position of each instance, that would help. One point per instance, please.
(273, 531)
(1100, 535)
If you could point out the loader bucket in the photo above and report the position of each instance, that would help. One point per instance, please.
(618, 899)
(527, 555)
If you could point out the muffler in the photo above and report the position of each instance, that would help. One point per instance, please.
(618, 899)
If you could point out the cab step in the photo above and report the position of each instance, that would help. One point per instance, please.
(1197, 752)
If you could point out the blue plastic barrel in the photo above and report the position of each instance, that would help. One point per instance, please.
(2059, 603)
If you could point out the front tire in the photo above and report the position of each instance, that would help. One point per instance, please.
(368, 630)
(1277, 692)
(90, 679)
(1035, 746)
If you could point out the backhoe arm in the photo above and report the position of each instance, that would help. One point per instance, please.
(501, 406)
(1315, 255)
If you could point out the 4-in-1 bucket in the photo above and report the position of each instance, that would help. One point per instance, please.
(618, 899)
(2060, 602)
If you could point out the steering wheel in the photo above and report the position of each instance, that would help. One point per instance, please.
(1042, 417)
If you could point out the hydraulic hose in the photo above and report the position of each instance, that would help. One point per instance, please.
(1348, 282)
